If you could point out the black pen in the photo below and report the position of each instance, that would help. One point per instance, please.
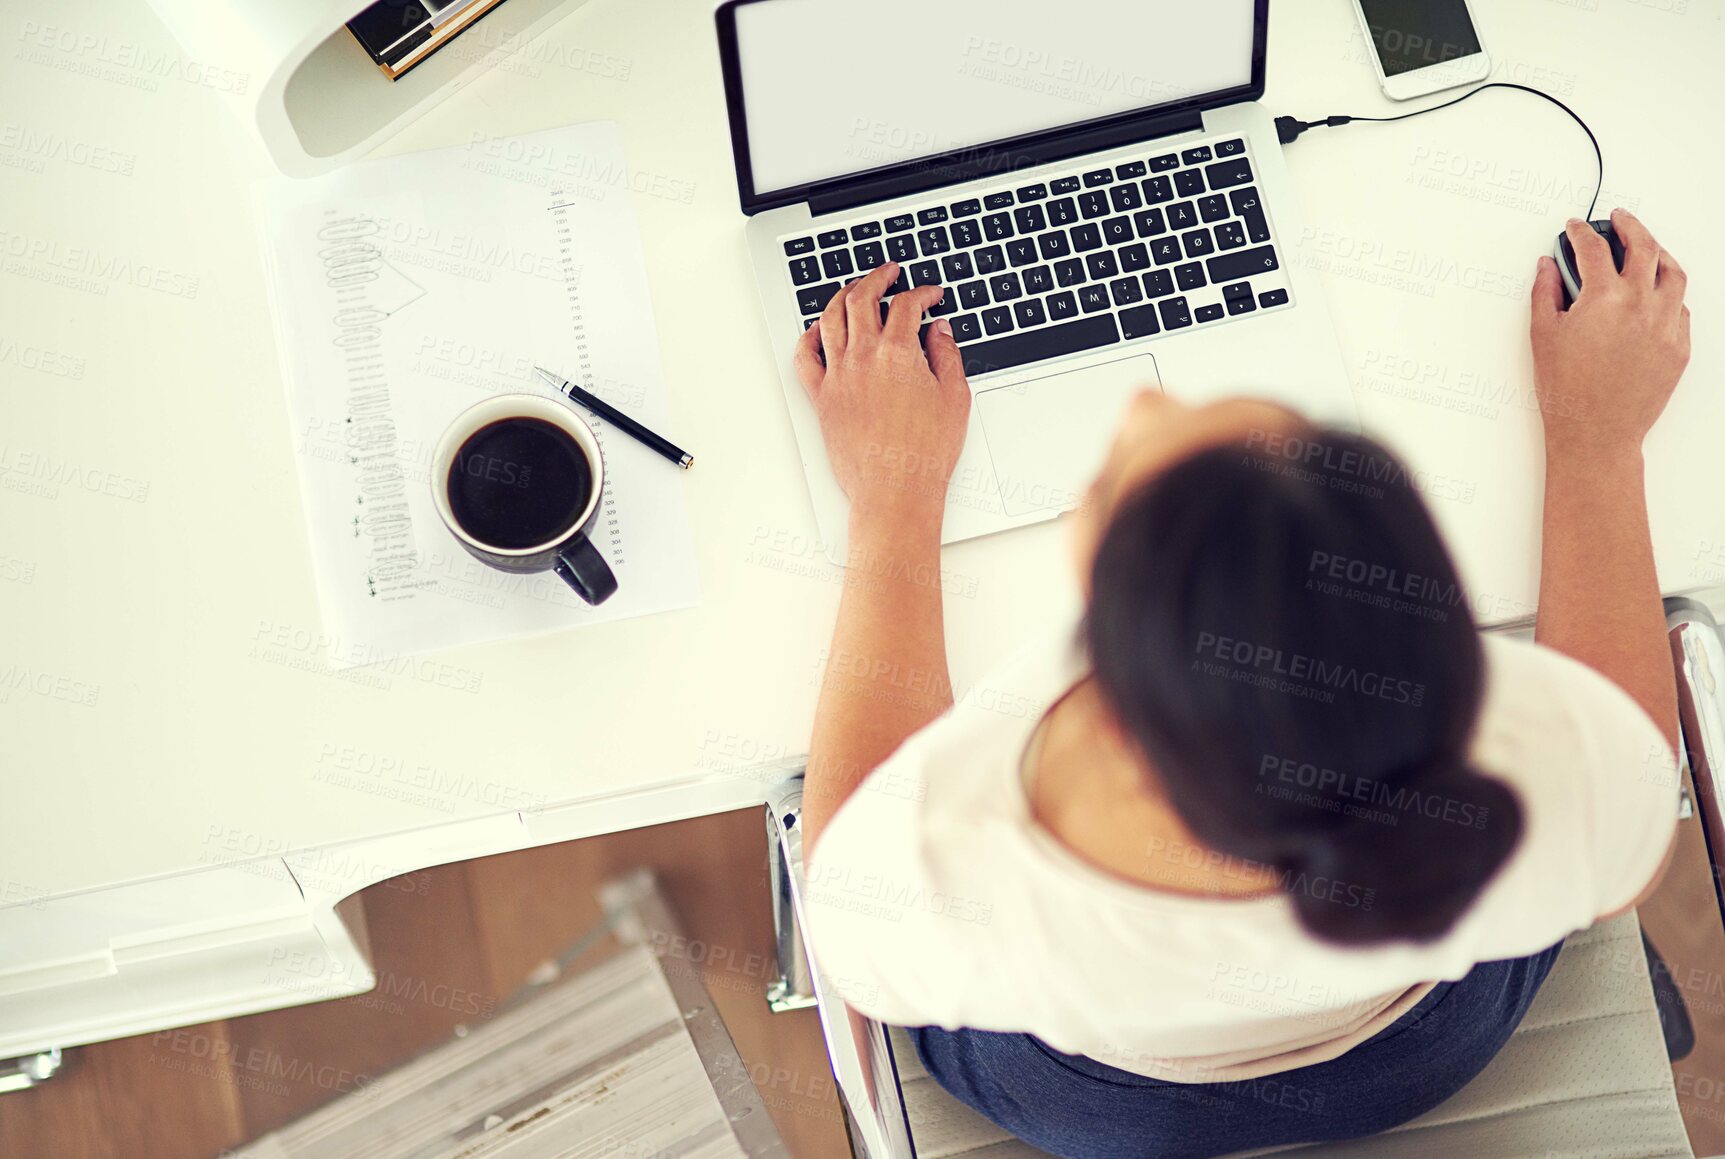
(620, 420)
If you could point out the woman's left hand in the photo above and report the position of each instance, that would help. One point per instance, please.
(893, 417)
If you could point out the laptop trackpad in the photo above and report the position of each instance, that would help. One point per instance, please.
(1047, 436)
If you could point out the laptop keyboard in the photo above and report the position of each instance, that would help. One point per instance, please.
(1038, 270)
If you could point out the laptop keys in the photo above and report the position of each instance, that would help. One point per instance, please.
(814, 299)
(1242, 264)
(1030, 219)
(1070, 263)
(1246, 204)
(1227, 174)
(1149, 222)
(1138, 322)
(1039, 343)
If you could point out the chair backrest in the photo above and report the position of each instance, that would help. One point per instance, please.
(864, 1067)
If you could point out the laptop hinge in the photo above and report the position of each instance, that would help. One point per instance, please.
(968, 165)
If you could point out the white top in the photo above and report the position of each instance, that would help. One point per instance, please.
(934, 898)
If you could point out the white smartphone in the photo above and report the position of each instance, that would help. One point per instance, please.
(1422, 46)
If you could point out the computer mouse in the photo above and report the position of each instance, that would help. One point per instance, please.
(1565, 255)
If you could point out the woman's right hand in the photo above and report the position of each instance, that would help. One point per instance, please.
(1605, 368)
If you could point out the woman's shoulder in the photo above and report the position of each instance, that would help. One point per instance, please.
(1540, 701)
(1593, 776)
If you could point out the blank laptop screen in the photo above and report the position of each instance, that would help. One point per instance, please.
(834, 88)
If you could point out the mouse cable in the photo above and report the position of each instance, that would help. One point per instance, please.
(1288, 128)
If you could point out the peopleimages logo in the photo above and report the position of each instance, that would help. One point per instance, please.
(1344, 792)
(1294, 672)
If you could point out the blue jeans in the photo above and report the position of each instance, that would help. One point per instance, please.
(1081, 1109)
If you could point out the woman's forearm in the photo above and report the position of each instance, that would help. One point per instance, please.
(1598, 593)
(886, 672)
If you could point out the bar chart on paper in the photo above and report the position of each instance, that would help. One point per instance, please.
(409, 288)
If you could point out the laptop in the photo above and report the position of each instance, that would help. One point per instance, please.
(1093, 182)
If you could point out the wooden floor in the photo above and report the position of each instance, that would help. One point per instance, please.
(453, 943)
(450, 945)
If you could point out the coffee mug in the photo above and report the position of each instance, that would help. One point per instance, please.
(517, 480)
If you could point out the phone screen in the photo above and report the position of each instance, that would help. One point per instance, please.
(1415, 34)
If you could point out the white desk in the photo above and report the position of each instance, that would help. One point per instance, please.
(164, 701)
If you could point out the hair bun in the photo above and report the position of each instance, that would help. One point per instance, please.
(1413, 856)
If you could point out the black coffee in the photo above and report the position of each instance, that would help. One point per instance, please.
(519, 482)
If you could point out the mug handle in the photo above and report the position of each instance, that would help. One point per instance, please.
(585, 570)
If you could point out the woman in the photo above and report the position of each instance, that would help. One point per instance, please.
(1263, 843)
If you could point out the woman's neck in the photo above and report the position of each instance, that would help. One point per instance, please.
(1100, 800)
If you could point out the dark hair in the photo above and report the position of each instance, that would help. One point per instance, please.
(1279, 629)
